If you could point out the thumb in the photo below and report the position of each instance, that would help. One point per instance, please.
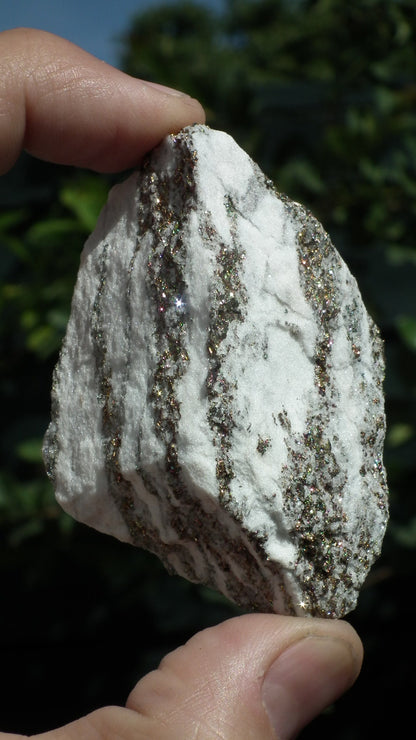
(258, 676)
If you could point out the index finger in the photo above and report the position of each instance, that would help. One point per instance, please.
(63, 105)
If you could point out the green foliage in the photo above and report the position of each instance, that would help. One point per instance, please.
(40, 242)
(39, 261)
(322, 94)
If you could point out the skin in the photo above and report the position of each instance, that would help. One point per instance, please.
(254, 677)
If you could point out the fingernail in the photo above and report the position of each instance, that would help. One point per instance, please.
(166, 90)
(304, 680)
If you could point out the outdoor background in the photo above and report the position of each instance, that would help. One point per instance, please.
(322, 94)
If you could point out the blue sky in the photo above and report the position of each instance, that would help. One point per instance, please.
(92, 24)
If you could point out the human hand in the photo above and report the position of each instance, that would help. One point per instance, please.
(256, 676)
(62, 104)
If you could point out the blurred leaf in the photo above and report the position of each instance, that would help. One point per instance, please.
(10, 219)
(399, 434)
(30, 450)
(24, 500)
(398, 254)
(405, 535)
(85, 198)
(58, 318)
(43, 340)
(300, 171)
(51, 231)
(407, 328)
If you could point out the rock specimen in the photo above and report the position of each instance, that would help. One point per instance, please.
(218, 398)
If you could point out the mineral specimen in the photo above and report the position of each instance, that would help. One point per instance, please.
(218, 398)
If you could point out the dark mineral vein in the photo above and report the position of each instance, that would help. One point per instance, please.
(165, 214)
(313, 482)
(166, 285)
(228, 296)
(112, 415)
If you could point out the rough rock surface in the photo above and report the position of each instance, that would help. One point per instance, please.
(218, 398)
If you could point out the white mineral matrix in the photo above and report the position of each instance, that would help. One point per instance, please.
(218, 398)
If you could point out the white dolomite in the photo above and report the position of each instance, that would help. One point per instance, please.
(218, 398)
